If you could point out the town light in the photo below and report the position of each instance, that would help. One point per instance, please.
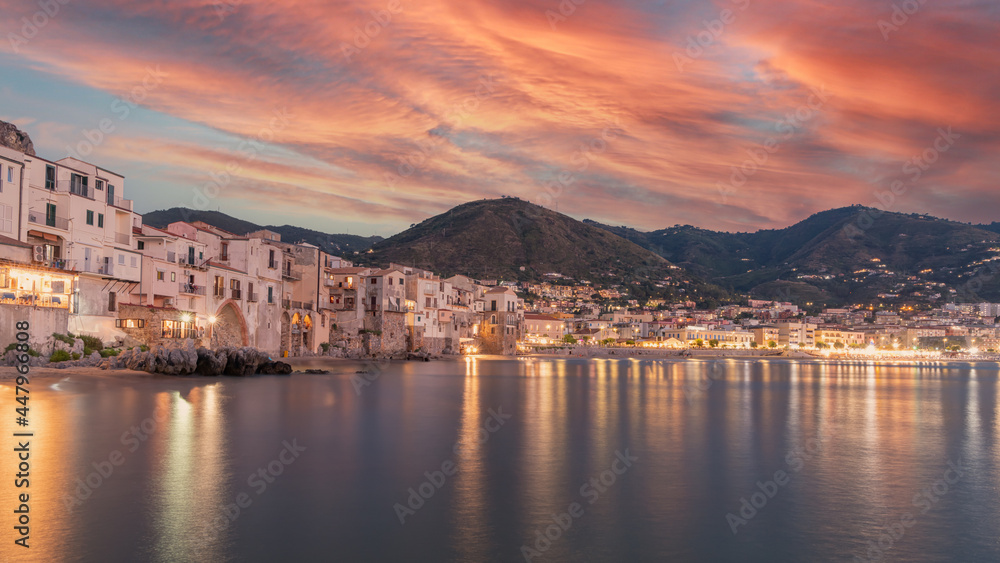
(212, 319)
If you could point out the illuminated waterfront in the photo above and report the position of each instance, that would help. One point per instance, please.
(857, 442)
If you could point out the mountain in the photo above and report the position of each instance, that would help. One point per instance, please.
(334, 244)
(847, 255)
(13, 138)
(512, 239)
(995, 227)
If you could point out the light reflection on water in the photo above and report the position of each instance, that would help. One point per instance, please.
(705, 434)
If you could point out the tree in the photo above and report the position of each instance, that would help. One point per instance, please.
(699, 343)
(772, 344)
(630, 342)
(713, 343)
(753, 343)
(838, 345)
(568, 339)
(822, 345)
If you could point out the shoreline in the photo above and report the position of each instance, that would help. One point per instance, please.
(9, 374)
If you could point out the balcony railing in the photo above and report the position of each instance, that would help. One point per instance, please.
(106, 270)
(273, 264)
(39, 218)
(120, 202)
(290, 275)
(122, 238)
(67, 186)
(286, 303)
(219, 292)
(237, 294)
(192, 289)
(251, 297)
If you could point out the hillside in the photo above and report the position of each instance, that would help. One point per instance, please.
(825, 259)
(340, 244)
(512, 239)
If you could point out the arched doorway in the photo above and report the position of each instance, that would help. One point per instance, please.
(286, 333)
(230, 329)
(307, 333)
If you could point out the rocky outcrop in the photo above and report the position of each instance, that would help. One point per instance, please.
(274, 368)
(13, 138)
(185, 359)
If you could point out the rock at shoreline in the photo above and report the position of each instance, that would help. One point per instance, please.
(185, 359)
(274, 368)
(211, 362)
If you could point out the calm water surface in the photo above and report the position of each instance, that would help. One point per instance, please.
(831, 460)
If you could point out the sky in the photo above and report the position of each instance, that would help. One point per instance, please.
(366, 117)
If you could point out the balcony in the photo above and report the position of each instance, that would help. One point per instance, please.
(191, 289)
(290, 275)
(120, 203)
(272, 264)
(106, 270)
(122, 238)
(38, 218)
(236, 293)
(75, 188)
(251, 297)
(219, 292)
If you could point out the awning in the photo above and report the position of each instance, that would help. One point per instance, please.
(46, 236)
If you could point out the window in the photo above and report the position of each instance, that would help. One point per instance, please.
(224, 255)
(50, 177)
(100, 220)
(10, 174)
(130, 323)
(220, 286)
(111, 300)
(142, 245)
(493, 306)
(390, 281)
(134, 262)
(121, 259)
(177, 329)
(270, 294)
(159, 275)
(90, 217)
(78, 185)
(271, 263)
(374, 281)
(50, 214)
(173, 276)
(98, 184)
(6, 218)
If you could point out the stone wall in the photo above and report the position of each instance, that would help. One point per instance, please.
(385, 334)
(43, 321)
(152, 333)
(494, 339)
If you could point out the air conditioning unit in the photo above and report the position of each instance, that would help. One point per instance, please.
(39, 253)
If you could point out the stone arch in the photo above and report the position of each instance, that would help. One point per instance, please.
(308, 332)
(230, 327)
(286, 332)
